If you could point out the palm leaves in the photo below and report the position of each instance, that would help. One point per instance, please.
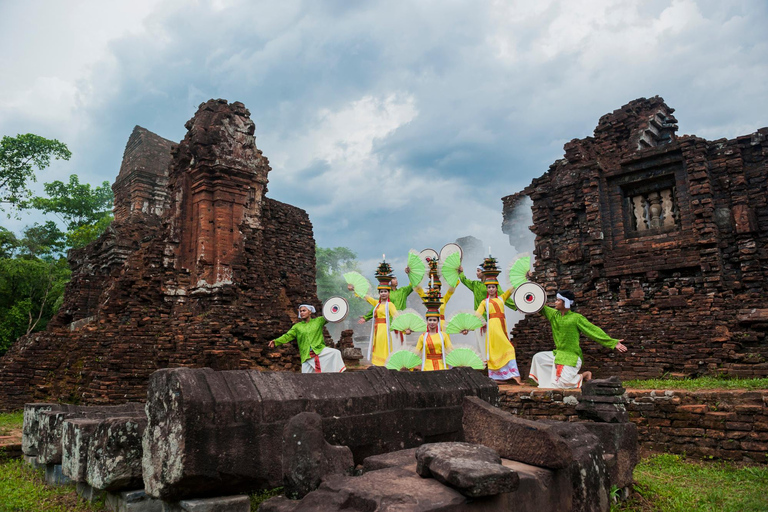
(408, 319)
(403, 360)
(518, 271)
(450, 268)
(463, 321)
(416, 267)
(360, 283)
(464, 357)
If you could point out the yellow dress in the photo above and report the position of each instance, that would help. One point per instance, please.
(434, 359)
(381, 339)
(444, 301)
(501, 354)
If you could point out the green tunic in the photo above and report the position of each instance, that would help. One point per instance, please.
(397, 297)
(479, 291)
(566, 329)
(308, 335)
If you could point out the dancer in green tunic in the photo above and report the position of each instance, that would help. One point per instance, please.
(397, 296)
(559, 368)
(308, 333)
(478, 289)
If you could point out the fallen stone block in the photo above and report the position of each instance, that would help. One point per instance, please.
(308, 458)
(115, 453)
(427, 453)
(620, 450)
(514, 438)
(220, 504)
(222, 431)
(132, 501)
(30, 430)
(474, 478)
(75, 439)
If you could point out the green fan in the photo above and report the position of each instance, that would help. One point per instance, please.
(518, 271)
(403, 360)
(450, 269)
(408, 319)
(360, 283)
(463, 321)
(464, 357)
(416, 267)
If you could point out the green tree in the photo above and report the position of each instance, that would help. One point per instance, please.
(8, 243)
(331, 264)
(20, 156)
(30, 294)
(43, 240)
(86, 210)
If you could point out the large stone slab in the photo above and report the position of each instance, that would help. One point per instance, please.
(427, 453)
(132, 501)
(30, 430)
(514, 438)
(115, 453)
(619, 448)
(222, 431)
(75, 440)
(398, 459)
(240, 503)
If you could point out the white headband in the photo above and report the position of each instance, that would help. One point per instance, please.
(480, 268)
(310, 307)
(568, 302)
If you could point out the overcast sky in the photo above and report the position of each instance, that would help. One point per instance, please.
(396, 125)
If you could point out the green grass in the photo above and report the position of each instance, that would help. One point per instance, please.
(669, 483)
(697, 383)
(10, 421)
(259, 497)
(23, 489)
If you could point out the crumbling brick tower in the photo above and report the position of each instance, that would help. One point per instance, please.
(199, 268)
(664, 240)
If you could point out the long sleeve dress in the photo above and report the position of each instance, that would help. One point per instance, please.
(435, 349)
(383, 313)
(315, 356)
(559, 368)
(502, 364)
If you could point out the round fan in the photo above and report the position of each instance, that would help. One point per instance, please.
(450, 268)
(417, 268)
(360, 283)
(428, 254)
(464, 356)
(403, 360)
(518, 271)
(408, 319)
(449, 249)
(463, 321)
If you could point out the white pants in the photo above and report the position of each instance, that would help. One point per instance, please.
(550, 375)
(328, 361)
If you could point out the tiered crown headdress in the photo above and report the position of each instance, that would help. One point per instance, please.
(434, 273)
(384, 276)
(433, 300)
(490, 271)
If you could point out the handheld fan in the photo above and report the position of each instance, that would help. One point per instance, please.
(464, 356)
(403, 360)
(450, 268)
(360, 283)
(518, 271)
(463, 321)
(408, 319)
(417, 268)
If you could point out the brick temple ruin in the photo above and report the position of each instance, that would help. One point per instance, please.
(197, 269)
(664, 240)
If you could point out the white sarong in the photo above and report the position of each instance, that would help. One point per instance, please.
(550, 375)
(328, 361)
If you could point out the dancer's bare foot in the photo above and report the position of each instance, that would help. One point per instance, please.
(587, 375)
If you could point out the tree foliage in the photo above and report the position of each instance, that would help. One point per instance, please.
(30, 293)
(20, 156)
(76, 203)
(331, 265)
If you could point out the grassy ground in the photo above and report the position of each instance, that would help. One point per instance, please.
(669, 483)
(10, 422)
(697, 383)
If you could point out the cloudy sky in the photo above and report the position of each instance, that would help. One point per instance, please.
(396, 125)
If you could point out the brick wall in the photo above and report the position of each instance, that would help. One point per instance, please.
(149, 295)
(730, 425)
(687, 298)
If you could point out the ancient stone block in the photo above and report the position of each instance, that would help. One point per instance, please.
(75, 439)
(238, 418)
(619, 450)
(30, 433)
(132, 501)
(308, 458)
(398, 459)
(219, 504)
(115, 454)
(427, 453)
(512, 437)
(474, 478)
